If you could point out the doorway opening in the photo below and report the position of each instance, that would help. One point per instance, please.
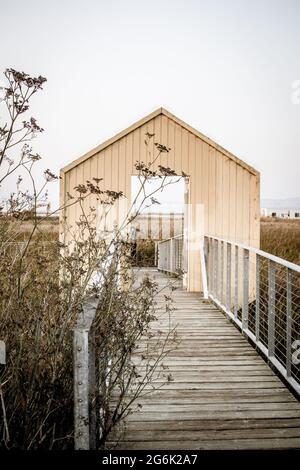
(159, 212)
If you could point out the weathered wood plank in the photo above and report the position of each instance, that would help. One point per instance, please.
(218, 424)
(147, 416)
(194, 408)
(223, 395)
(205, 435)
(238, 444)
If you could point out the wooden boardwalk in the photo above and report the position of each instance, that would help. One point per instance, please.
(224, 395)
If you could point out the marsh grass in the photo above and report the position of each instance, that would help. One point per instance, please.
(281, 237)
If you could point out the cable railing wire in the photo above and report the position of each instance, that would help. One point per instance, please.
(259, 292)
(170, 255)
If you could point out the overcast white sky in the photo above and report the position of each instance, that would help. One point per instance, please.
(225, 67)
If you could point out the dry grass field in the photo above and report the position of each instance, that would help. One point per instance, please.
(281, 237)
(49, 228)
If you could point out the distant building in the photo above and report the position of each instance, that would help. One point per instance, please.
(281, 213)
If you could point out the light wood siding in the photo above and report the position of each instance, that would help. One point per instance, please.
(225, 188)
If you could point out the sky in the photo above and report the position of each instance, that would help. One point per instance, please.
(229, 68)
(167, 194)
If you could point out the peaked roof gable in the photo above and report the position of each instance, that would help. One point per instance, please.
(154, 114)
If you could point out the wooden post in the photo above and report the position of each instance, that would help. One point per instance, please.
(81, 389)
(92, 389)
(185, 246)
(84, 378)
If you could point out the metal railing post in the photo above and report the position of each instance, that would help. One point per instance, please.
(213, 279)
(288, 323)
(206, 259)
(228, 277)
(216, 262)
(169, 253)
(273, 335)
(245, 309)
(221, 285)
(257, 295)
(236, 282)
(211, 266)
(203, 268)
(271, 308)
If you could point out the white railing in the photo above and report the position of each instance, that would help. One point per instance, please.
(169, 255)
(261, 294)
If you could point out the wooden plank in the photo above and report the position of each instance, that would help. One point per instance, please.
(157, 139)
(205, 185)
(254, 214)
(72, 214)
(178, 152)
(185, 162)
(246, 208)
(222, 394)
(207, 414)
(142, 145)
(149, 408)
(218, 424)
(241, 444)
(164, 139)
(130, 162)
(171, 144)
(217, 386)
(226, 198)
(239, 232)
(115, 185)
(219, 195)
(108, 183)
(123, 203)
(205, 435)
(179, 397)
(93, 174)
(135, 147)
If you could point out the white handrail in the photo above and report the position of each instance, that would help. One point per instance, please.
(257, 251)
(263, 300)
(169, 253)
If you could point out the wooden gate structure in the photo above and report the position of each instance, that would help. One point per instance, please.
(223, 197)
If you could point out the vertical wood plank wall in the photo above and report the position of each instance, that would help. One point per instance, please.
(228, 192)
